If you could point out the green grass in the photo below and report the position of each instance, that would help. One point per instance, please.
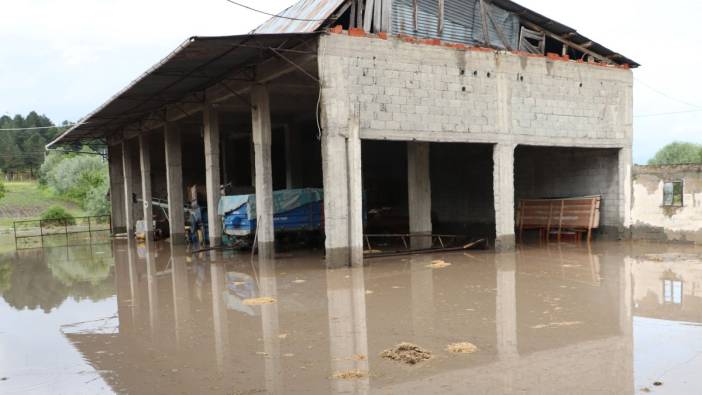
(25, 201)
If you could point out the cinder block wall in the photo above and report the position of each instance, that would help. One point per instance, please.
(435, 93)
(552, 172)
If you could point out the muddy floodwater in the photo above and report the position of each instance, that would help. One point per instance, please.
(130, 318)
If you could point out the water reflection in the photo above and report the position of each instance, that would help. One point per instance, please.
(558, 319)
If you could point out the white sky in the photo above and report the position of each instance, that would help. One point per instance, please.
(64, 58)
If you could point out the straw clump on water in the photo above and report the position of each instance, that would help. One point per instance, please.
(462, 348)
(350, 375)
(259, 301)
(407, 353)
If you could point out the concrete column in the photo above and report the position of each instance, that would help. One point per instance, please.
(114, 159)
(291, 159)
(341, 168)
(174, 181)
(214, 224)
(261, 128)
(419, 193)
(503, 180)
(145, 162)
(625, 191)
(128, 188)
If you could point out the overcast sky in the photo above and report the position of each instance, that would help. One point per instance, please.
(64, 58)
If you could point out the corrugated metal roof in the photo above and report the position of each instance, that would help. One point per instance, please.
(303, 17)
(197, 64)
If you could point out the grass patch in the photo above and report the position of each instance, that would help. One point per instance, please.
(25, 200)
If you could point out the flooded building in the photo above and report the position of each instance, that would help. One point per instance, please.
(443, 114)
(667, 203)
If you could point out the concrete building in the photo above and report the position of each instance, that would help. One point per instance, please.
(448, 111)
(667, 203)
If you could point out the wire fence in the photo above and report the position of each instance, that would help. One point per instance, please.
(42, 233)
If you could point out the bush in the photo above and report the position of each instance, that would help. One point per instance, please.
(58, 214)
(80, 178)
(678, 154)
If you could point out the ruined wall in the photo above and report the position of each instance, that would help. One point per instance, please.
(427, 92)
(651, 220)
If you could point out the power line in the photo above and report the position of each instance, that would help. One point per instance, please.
(35, 128)
(660, 114)
(274, 15)
(660, 92)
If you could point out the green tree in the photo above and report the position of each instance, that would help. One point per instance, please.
(678, 153)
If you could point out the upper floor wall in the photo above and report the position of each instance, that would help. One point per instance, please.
(407, 90)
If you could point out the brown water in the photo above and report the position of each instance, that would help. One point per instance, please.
(130, 319)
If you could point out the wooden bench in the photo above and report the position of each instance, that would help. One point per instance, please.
(560, 217)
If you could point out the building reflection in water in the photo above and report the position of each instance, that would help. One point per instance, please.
(552, 318)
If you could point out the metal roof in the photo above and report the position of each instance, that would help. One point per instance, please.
(197, 64)
(302, 17)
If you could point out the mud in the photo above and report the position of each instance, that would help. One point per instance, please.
(130, 319)
(407, 353)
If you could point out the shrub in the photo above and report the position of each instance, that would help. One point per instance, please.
(58, 214)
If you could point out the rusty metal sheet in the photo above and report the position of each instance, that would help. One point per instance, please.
(305, 16)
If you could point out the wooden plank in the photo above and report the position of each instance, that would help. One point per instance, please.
(440, 27)
(352, 18)
(498, 29)
(562, 40)
(359, 13)
(483, 15)
(387, 16)
(368, 15)
(377, 15)
(415, 16)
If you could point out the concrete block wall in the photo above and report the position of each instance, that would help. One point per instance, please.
(653, 221)
(552, 172)
(436, 93)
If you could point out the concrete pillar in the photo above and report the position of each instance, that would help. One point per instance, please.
(419, 193)
(214, 224)
(261, 129)
(355, 214)
(145, 163)
(127, 171)
(625, 191)
(503, 180)
(114, 159)
(174, 181)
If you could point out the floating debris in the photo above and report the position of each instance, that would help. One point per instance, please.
(407, 353)
(462, 348)
(438, 264)
(557, 324)
(359, 357)
(289, 355)
(282, 336)
(299, 281)
(353, 374)
(259, 301)
(369, 292)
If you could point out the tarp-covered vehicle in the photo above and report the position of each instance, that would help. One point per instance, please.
(294, 210)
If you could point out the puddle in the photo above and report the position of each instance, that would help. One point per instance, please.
(124, 318)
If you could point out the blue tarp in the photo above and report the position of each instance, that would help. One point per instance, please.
(283, 201)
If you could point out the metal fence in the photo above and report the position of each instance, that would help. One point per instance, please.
(62, 232)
